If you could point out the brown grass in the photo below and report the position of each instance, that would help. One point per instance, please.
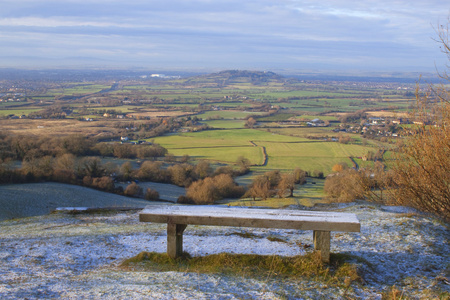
(309, 266)
(387, 114)
(63, 127)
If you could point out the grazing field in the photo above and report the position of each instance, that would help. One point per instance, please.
(303, 131)
(310, 155)
(18, 111)
(283, 152)
(223, 154)
(158, 114)
(216, 145)
(226, 114)
(225, 124)
(76, 88)
(208, 116)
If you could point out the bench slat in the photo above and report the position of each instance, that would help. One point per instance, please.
(249, 217)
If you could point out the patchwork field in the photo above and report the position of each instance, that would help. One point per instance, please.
(280, 107)
(283, 152)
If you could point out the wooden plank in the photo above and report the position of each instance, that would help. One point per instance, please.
(248, 217)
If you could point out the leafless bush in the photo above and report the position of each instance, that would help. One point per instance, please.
(133, 190)
(151, 194)
(210, 189)
(422, 167)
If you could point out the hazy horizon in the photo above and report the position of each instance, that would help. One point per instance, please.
(330, 36)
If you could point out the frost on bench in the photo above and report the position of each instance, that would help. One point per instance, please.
(178, 217)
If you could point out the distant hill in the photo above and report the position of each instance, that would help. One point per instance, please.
(244, 74)
(228, 77)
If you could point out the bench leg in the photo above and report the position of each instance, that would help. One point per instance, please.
(322, 244)
(175, 239)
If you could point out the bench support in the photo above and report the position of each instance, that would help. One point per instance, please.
(322, 244)
(175, 239)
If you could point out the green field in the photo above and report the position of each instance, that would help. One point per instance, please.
(220, 101)
(226, 114)
(18, 111)
(227, 124)
(78, 89)
(283, 152)
(304, 131)
(310, 155)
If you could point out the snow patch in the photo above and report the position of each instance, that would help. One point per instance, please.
(77, 256)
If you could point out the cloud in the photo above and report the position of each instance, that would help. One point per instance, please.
(221, 33)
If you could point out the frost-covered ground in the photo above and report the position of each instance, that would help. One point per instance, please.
(78, 256)
(34, 199)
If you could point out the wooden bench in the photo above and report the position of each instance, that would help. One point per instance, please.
(178, 217)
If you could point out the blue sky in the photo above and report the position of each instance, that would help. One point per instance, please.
(326, 35)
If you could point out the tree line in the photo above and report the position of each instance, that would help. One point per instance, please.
(77, 160)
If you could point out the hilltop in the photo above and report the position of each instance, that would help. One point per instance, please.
(237, 77)
(399, 253)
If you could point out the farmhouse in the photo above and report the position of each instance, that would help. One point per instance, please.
(316, 123)
(376, 120)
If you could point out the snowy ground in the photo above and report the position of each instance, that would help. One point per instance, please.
(34, 199)
(77, 256)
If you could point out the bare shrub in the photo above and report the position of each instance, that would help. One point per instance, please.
(104, 183)
(65, 162)
(65, 176)
(422, 167)
(203, 191)
(339, 167)
(126, 170)
(227, 187)
(185, 200)
(287, 182)
(345, 186)
(300, 176)
(39, 167)
(202, 169)
(92, 166)
(133, 190)
(152, 171)
(210, 189)
(224, 170)
(260, 188)
(151, 194)
(180, 174)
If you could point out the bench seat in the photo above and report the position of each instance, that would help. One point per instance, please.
(178, 217)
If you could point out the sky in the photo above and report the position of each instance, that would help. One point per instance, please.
(304, 35)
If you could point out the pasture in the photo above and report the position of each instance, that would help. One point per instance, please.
(77, 88)
(226, 114)
(18, 111)
(218, 100)
(226, 124)
(283, 152)
(310, 155)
